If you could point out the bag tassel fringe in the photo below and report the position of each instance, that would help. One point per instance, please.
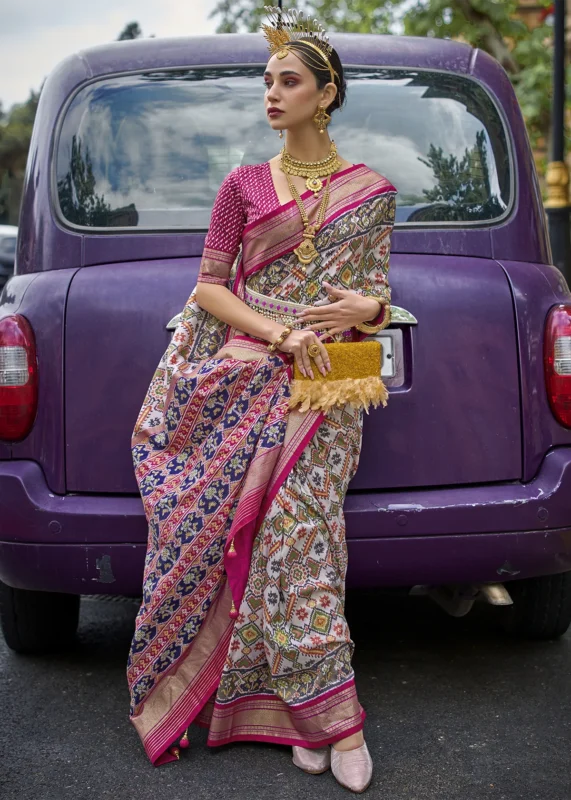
(322, 395)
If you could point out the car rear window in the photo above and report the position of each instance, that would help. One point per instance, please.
(149, 151)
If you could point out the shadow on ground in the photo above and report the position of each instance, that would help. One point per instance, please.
(455, 711)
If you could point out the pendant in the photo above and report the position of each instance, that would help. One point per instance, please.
(306, 251)
(314, 185)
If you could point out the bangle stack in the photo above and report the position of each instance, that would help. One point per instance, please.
(273, 346)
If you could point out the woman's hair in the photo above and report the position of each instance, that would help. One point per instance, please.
(322, 75)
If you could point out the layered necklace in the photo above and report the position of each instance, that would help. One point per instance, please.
(314, 172)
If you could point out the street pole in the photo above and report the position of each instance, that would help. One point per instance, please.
(557, 204)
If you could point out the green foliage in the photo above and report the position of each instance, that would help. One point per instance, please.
(15, 134)
(355, 16)
(78, 199)
(130, 31)
(462, 189)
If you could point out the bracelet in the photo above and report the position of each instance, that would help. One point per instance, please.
(281, 339)
(364, 327)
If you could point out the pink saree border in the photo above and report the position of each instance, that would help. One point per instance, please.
(159, 738)
(303, 713)
(305, 704)
(290, 741)
(293, 451)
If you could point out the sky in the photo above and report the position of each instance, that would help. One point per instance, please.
(36, 34)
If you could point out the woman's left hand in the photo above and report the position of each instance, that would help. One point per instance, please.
(346, 309)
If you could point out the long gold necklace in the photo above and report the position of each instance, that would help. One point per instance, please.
(312, 171)
(306, 251)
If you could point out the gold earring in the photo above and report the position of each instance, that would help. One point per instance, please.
(281, 134)
(321, 119)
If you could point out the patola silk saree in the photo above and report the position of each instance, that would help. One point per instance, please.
(241, 627)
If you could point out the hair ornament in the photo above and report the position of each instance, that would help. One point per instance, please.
(286, 27)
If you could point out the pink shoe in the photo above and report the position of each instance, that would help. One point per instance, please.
(352, 769)
(312, 761)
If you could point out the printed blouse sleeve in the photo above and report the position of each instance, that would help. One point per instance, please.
(376, 257)
(224, 234)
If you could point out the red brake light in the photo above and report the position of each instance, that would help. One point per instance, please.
(557, 362)
(18, 378)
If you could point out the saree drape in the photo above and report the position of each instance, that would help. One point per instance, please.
(241, 626)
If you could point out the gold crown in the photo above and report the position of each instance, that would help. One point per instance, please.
(289, 26)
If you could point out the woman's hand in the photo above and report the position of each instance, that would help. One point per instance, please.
(297, 343)
(346, 310)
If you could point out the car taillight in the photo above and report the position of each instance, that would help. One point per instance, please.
(18, 378)
(557, 362)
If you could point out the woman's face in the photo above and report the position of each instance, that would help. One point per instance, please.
(291, 89)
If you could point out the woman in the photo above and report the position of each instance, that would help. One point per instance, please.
(242, 626)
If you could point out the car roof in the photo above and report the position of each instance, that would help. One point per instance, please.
(234, 48)
(8, 230)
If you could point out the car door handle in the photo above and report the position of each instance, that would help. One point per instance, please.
(398, 315)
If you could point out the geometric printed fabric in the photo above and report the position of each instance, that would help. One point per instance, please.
(291, 637)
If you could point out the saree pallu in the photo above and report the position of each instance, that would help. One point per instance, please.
(241, 626)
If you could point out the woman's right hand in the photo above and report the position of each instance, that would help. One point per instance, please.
(296, 345)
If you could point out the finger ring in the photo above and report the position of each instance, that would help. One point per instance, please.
(313, 350)
(331, 298)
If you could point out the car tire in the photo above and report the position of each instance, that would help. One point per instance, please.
(38, 622)
(541, 607)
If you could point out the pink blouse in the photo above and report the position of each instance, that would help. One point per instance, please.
(246, 194)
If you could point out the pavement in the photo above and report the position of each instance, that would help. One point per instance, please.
(455, 711)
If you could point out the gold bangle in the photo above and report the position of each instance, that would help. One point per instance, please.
(364, 327)
(281, 339)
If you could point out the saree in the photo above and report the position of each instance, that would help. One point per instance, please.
(241, 627)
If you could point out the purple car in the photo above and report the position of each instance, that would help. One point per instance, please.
(464, 484)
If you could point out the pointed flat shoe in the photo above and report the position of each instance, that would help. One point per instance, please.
(312, 761)
(353, 769)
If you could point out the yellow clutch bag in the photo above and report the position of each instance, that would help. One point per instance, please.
(355, 378)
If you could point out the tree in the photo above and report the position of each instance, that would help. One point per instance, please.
(462, 189)
(130, 31)
(354, 16)
(15, 135)
(78, 200)
(490, 25)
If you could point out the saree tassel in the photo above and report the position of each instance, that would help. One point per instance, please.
(321, 395)
(233, 613)
(184, 743)
(232, 550)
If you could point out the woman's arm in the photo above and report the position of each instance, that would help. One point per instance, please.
(220, 301)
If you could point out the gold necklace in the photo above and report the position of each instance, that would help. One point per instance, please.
(306, 251)
(312, 171)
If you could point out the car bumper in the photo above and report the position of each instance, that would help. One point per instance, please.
(89, 544)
